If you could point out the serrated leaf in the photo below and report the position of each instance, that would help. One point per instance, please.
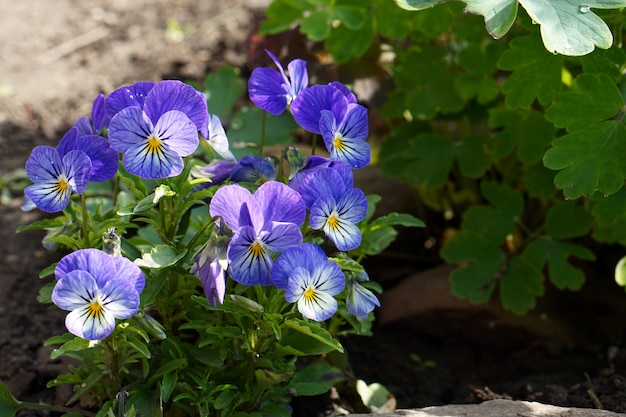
(281, 15)
(526, 130)
(594, 98)
(567, 219)
(351, 16)
(589, 160)
(556, 254)
(344, 43)
(504, 198)
(608, 62)
(484, 88)
(316, 26)
(536, 72)
(391, 21)
(438, 96)
(570, 27)
(430, 160)
(475, 281)
(521, 284)
(539, 181)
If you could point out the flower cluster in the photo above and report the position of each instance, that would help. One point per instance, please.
(261, 223)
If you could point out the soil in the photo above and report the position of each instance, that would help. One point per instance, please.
(428, 348)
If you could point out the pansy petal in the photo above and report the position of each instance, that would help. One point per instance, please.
(127, 96)
(324, 215)
(328, 277)
(159, 163)
(265, 88)
(282, 236)
(119, 297)
(352, 152)
(279, 203)
(77, 167)
(226, 203)
(82, 323)
(83, 127)
(320, 308)
(72, 292)
(43, 164)
(176, 130)
(347, 93)
(250, 264)
(127, 270)
(355, 124)
(307, 106)
(312, 303)
(306, 256)
(69, 139)
(104, 159)
(352, 206)
(129, 127)
(321, 182)
(253, 169)
(360, 301)
(47, 196)
(98, 263)
(298, 75)
(218, 141)
(175, 95)
(99, 116)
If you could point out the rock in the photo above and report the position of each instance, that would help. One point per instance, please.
(498, 408)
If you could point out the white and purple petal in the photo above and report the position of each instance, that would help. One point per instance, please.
(281, 236)
(128, 128)
(250, 263)
(178, 132)
(360, 301)
(324, 215)
(152, 164)
(352, 152)
(307, 106)
(99, 264)
(306, 256)
(73, 292)
(218, 140)
(352, 205)
(299, 77)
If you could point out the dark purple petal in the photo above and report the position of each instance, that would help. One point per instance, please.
(83, 124)
(175, 95)
(312, 164)
(307, 106)
(305, 256)
(99, 116)
(127, 96)
(279, 203)
(127, 270)
(266, 91)
(68, 141)
(325, 181)
(282, 236)
(347, 93)
(104, 159)
(299, 77)
(218, 172)
(253, 169)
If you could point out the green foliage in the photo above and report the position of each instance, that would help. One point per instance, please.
(515, 133)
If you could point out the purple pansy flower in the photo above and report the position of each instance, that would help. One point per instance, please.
(331, 110)
(253, 169)
(217, 171)
(272, 90)
(210, 265)
(359, 300)
(155, 137)
(104, 159)
(263, 224)
(99, 119)
(335, 205)
(96, 288)
(309, 279)
(217, 139)
(55, 177)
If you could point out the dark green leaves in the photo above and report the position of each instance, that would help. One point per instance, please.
(8, 404)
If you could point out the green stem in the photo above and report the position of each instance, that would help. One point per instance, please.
(313, 144)
(84, 224)
(54, 408)
(262, 141)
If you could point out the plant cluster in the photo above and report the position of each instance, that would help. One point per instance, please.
(195, 280)
(513, 137)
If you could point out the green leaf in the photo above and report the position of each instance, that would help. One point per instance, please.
(430, 160)
(396, 219)
(168, 384)
(391, 21)
(225, 398)
(316, 26)
(536, 72)
(146, 402)
(303, 338)
(594, 98)
(589, 160)
(281, 15)
(539, 181)
(438, 96)
(570, 27)
(316, 379)
(374, 396)
(608, 62)
(556, 254)
(620, 272)
(566, 220)
(473, 160)
(483, 87)
(521, 284)
(159, 257)
(476, 281)
(499, 14)
(344, 43)
(223, 89)
(352, 16)
(8, 404)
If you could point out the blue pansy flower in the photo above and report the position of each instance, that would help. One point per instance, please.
(309, 279)
(253, 169)
(359, 300)
(155, 137)
(210, 265)
(263, 224)
(217, 139)
(272, 90)
(56, 177)
(104, 159)
(96, 288)
(335, 205)
(331, 110)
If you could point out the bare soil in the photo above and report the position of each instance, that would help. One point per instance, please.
(428, 349)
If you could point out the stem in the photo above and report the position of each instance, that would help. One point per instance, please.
(313, 144)
(54, 408)
(262, 141)
(84, 226)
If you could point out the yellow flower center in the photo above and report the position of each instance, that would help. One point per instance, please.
(95, 309)
(333, 221)
(309, 294)
(338, 142)
(256, 249)
(62, 185)
(154, 144)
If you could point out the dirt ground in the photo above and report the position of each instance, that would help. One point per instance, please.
(56, 56)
